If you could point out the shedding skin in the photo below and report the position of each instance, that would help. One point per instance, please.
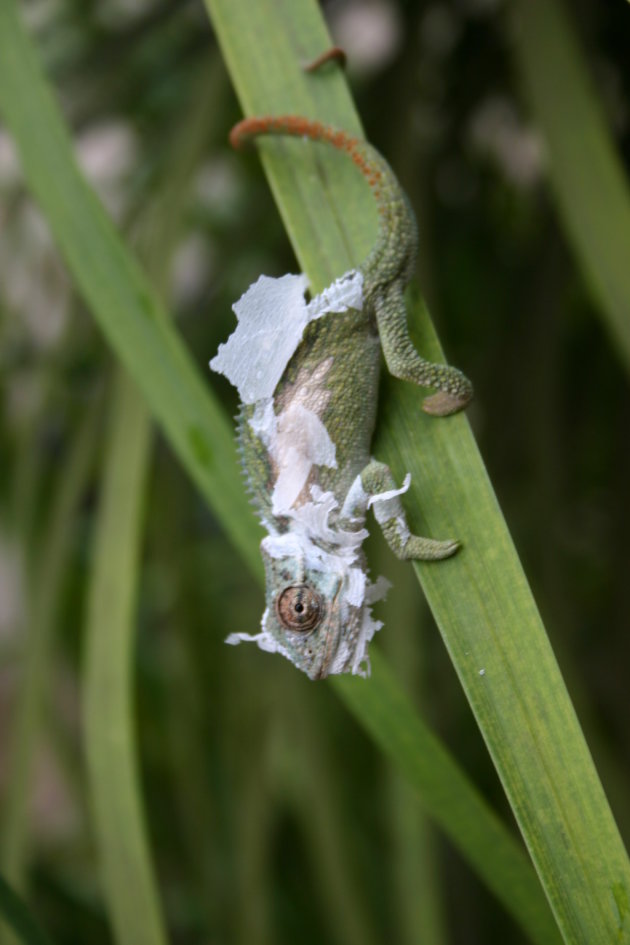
(318, 594)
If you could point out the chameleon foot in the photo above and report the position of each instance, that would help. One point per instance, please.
(444, 403)
(381, 493)
(454, 388)
(429, 549)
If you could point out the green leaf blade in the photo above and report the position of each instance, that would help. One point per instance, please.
(502, 655)
(130, 886)
(584, 168)
(127, 309)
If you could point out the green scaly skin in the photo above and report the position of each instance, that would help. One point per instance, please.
(334, 372)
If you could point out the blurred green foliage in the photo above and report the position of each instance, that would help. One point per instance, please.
(236, 749)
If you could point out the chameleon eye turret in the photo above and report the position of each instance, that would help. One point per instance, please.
(300, 608)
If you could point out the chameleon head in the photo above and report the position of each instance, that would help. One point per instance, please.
(308, 617)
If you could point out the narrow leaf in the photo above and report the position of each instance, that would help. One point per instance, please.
(584, 167)
(480, 598)
(109, 731)
(43, 602)
(129, 877)
(123, 302)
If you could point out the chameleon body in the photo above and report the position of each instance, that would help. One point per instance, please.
(305, 441)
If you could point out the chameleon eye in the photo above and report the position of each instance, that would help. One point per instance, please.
(299, 608)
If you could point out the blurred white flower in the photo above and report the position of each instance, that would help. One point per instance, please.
(11, 589)
(39, 14)
(217, 186)
(9, 163)
(192, 265)
(107, 152)
(496, 130)
(34, 283)
(370, 31)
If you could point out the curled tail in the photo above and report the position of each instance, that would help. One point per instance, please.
(393, 255)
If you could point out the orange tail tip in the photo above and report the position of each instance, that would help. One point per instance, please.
(293, 125)
(297, 126)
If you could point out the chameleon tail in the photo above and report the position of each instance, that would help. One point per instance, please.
(393, 256)
(389, 266)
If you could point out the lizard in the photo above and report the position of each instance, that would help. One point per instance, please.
(307, 418)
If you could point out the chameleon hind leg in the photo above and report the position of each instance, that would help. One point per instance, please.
(403, 361)
(378, 489)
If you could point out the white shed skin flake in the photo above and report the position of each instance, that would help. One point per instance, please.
(300, 442)
(386, 505)
(272, 316)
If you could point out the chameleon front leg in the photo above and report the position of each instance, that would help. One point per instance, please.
(375, 487)
(403, 361)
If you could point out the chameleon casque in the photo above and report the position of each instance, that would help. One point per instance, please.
(307, 374)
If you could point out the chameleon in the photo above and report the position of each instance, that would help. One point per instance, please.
(307, 374)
